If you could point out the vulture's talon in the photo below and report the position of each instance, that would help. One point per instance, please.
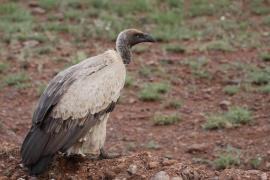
(104, 155)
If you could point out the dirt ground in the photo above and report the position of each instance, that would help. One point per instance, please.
(130, 127)
(183, 150)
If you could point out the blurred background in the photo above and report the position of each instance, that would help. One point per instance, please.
(200, 95)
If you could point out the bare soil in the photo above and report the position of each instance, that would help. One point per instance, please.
(130, 127)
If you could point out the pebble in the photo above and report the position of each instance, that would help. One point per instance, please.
(153, 165)
(224, 105)
(264, 176)
(168, 162)
(30, 43)
(177, 178)
(161, 175)
(197, 148)
(38, 10)
(132, 169)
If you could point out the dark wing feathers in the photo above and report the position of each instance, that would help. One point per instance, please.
(56, 88)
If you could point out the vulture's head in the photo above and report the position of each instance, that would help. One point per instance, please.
(131, 37)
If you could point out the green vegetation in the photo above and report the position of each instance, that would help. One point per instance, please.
(175, 48)
(160, 119)
(153, 91)
(266, 21)
(3, 67)
(231, 90)
(206, 8)
(196, 63)
(259, 7)
(49, 4)
(202, 74)
(41, 87)
(145, 71)
(234, 117)
(218, 46)
(265, 89)
(80, 55)
(19, 80)
(129, 81)
(227, 159)
(152, 144)
(259, 77)
(255, 162)
(175, 104)
(265, 56)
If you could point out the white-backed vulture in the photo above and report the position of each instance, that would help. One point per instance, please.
(72, 112)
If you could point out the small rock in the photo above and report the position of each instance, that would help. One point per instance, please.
(38, 10)
(132, 169)
(208, 90)
(224, 105)
(20, 179)
(30, 43)
(33, 3)
(264, 176)
(132, 100)
(177, 178)
(267, 164)
(153, 165)
(161, 175)
(197, 148)
(168, 162)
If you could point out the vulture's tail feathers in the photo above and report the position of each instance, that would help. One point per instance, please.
(32, 151)
(41, 165)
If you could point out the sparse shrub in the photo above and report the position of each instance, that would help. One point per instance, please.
(231, 90)
(265, 89)
(3, 67)
(218, 45)
(196, 62)
(234, 117)
(217, 122)
(202, 74)
(238, 115)
(145, 71)
(152, 145)
(175, 104)
(265, 56)
(225, 161)
(18, 79)
(259, 77)
(49, 4)
(266, 20)
(129, 81)
(255, 162)
(78, 57)
(175, 48)
(153, 91)
(160, 119)
(40, 89)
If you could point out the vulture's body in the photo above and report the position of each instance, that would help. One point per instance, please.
(72, 112)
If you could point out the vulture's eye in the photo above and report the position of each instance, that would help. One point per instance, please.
(138, 35)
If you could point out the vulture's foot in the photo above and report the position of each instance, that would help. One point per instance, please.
(104, 155)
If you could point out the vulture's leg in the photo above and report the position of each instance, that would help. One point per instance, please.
(104, 155)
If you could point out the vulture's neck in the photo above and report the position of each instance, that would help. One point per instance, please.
(123, 50)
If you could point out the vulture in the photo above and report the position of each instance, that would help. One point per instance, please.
(72, 113)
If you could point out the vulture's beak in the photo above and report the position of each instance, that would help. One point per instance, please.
(148, 38)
